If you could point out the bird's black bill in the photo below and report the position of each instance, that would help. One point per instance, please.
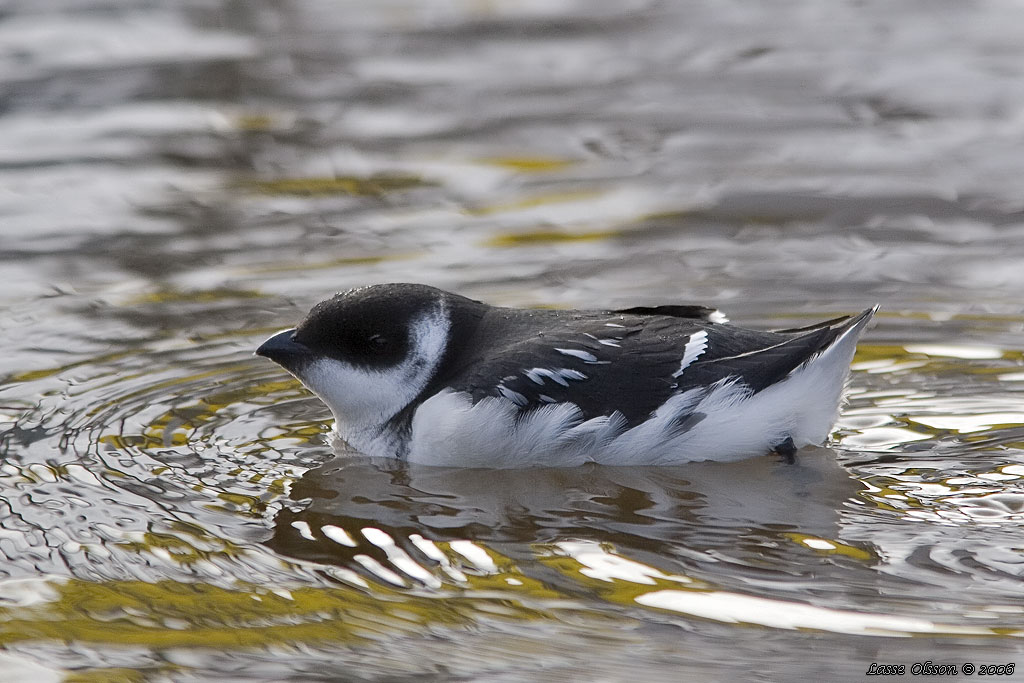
(284, 350)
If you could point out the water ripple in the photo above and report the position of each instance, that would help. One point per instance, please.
(180, 180)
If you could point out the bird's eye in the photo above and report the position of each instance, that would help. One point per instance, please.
(378, 342)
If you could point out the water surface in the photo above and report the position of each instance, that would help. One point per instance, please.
(179, 180)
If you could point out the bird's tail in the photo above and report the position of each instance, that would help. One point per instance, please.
(839, 324)
(826, 374)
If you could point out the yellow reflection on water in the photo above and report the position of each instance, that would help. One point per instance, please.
(537, 237)
(165, 614)
(609, 574)
(529, 164)
(202, 296)
(597, 561)
(325, 186)
(831, 546)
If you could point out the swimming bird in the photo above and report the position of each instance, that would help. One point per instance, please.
(417, 373)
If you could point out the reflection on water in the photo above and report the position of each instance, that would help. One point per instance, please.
(182, 179)
(626, 507)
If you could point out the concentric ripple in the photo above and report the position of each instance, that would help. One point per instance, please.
(169, 427)
(163, 476)
(181, 179)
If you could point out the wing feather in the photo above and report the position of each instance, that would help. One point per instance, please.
(632, 361)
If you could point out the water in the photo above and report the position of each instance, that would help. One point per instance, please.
(179, 180)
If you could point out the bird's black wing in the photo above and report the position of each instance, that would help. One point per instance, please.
(760, 359)
(600, 362)
(632, 363)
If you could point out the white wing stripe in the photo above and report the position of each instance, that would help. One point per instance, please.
(582, 355)
(696, 345)
(537, 375)
(569, 373)
(511, 395)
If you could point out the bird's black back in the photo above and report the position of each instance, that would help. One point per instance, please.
(622, 361)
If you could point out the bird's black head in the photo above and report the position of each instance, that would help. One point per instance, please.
(370, 327)
(368, 352)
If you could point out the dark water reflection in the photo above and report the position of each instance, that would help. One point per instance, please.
(178, 180)
(641, 509)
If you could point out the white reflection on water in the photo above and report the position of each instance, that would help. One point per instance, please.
(994, 506)
(974, 352)
(881, 437)
(599, 563)
(399, 558)
(748, 609)
(379, 570)
(335, 533)
(29, 591)
(434, 554)
(966, 424)
(476, 555)
(819, 544)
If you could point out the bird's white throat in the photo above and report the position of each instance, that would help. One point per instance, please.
(363, 400)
